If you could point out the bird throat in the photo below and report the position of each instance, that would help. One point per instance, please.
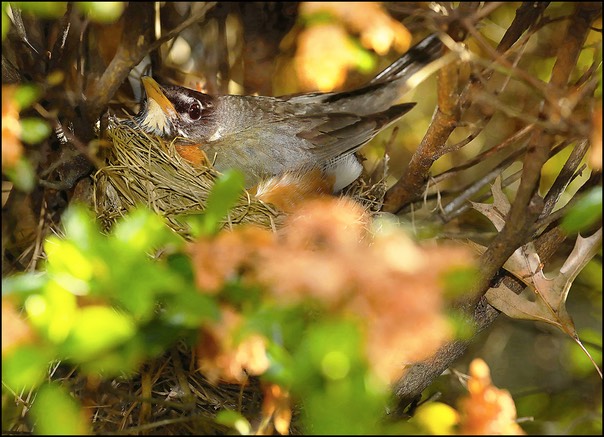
(155, 120)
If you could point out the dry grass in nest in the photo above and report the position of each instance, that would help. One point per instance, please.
(144, 170)
(167, 397)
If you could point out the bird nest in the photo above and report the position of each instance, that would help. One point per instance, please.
(166, 397)
(146, 170)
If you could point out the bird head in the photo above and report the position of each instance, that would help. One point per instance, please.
(174, 111)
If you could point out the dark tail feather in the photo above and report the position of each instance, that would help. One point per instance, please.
(391, 114)
(379, 94)
(424, 52)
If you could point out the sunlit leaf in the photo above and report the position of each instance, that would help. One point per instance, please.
(55, 412)
(64, 257)
(80, 226)
(437, 418)
(25, 367)
(142, 230)
(5, 20)
(315, 18)
(234, 420)
(97, 328)
(190, 309)
(103, 12)
(25, 95)
(53, 311)
(22, 174)
(224, 195)
(24, 283)
(43, 9)
(34, 130)
(364, 60)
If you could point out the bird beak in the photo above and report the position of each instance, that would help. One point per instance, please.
(155, 94)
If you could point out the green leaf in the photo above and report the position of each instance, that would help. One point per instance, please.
(97, 329)
(458, 281)
(102, 12)
(191, 309)
(142, 231)
(437, 418)
(579, 362)
(80, 226)
(325, 350)
(281, 366)
(34, 130)
(26, 95)
(584, 213)
(25, 367)
(52, 312)
(317, 18)
(234, 420)
(222, 198)
(65, 258)
(463, 329)
(24, 283)
(43, 9)
(365, 61)
(22, 174)
(55, 412)
(5, 20)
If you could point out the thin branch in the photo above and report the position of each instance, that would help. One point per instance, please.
(520, 221)
(136, 44)
(565, 177)
(484, 155)
(528, 205)
(446, 118)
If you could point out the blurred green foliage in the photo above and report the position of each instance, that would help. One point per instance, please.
(22, 174)
(587, 211)
(56, 412)
(223, 197)
(107, 303)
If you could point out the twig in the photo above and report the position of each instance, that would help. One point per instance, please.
(564, 178)
(136, 44)
(484, 155)
(523, 214)
(528, 205)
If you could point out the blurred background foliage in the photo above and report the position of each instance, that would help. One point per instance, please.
(98, 327)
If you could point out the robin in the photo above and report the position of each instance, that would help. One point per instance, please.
(287, 147)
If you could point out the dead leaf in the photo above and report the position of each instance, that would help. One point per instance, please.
(544, 299)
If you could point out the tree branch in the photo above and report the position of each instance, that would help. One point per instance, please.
(524, 212)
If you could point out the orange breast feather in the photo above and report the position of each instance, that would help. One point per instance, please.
(288, 190)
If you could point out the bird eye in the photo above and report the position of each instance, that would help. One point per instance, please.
(195, 111)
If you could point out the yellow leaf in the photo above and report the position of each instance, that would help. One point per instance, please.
(437, 418)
